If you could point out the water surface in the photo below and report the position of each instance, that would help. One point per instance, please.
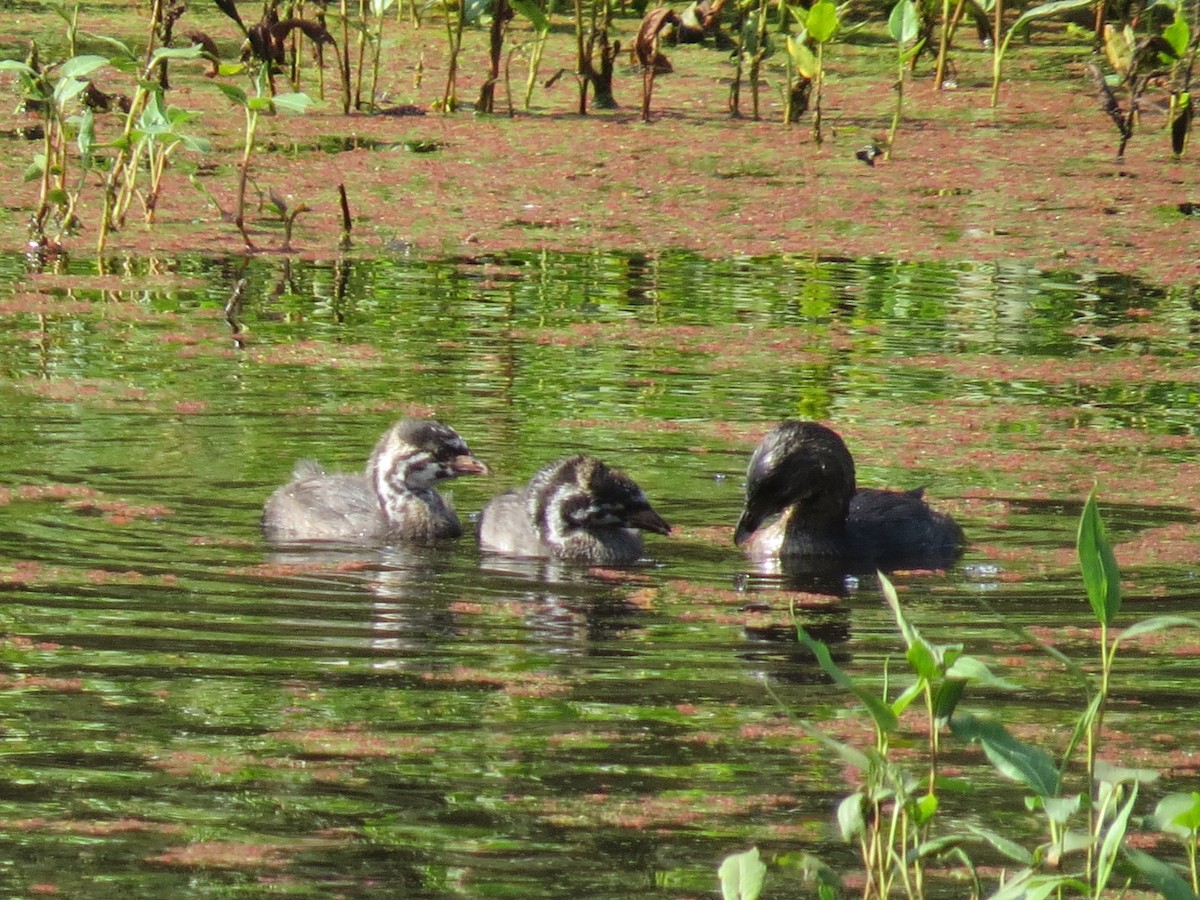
(187, 713)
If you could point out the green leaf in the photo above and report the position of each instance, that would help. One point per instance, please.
(195, 144)
(885, 719)
(58, 197)
(945, 698)
(380, 7)
(161, 53)
(1178, 34)
(15, 65)
(851, 822)
(926, 808)
(124, 54)
(36, 167)
(82, 66)
(823, 21)
(1112, 774)
(923, 659)
(1009, 848)
(1014, 759)
(234, 93)
(1178, 814)
(803, 59)
(974, 670)
(1047, 9)
(742, 875)
(532, 13)
(1100, 575)
(1113, 839)
(1156, 623)
(904, 23)
(292, 103)
(1060, 809)
(1161, 876)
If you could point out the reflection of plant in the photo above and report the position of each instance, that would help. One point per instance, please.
(891, 814)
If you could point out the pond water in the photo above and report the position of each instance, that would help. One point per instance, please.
(185, 713)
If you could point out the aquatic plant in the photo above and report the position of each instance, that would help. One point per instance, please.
(646, 50)
(806, 51)
(904, 25)
(252, 107)
(1042, 11)
(892, 813)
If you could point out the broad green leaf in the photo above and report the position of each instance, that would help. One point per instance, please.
(926, 808)
(15, 65)
(923, 659)
(1164, 879)
(36, 167)
(974, 670)
(1028, 885)
(1156, 623)
(58, 196)
(910, 693)
(123, 51)
(850, 817)
(532, 13)
(742, 875)
(1006, 846)
(82, 66)
(260, 104)
(1101, 577)
(1111, 774)
(292, 103)
(822, 22)
(802, 58)
(67, 89)
(193, 52)
(1178, 814)
(904, 23)
(1178, 34)
(195, 144)
(234, 93)
(1060, 809)
(1047, 9)
(1014, 759)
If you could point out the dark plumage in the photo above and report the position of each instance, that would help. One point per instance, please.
(803, 473)
(576, 509)
(394, 500)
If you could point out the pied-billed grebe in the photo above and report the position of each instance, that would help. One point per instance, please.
(803, 472)
(394, 500)
(576, 509)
